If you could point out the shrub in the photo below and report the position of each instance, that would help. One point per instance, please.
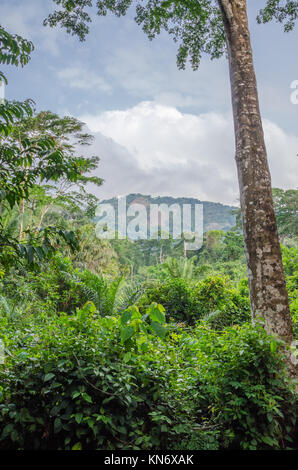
(132, 382)
(238, 388)
(74, 383)
(290, 262)
(59, 287)
(253, 398)
(174, 295)
(212, 298)
(233, 307)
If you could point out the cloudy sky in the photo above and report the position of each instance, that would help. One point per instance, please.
(157, 130)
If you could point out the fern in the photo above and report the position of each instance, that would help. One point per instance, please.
(8, 309)
(182, 268)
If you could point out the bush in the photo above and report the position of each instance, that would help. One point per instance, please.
(212, 298)
(59, 287)
(175, 296)
(133, 382)
(55, 288)
(253, 398)
(70, 385)
(236, 384)
(232, 306)
(290, 262)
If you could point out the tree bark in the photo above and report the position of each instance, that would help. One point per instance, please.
(22, 211)
(268, 294)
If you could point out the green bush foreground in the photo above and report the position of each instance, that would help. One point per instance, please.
(84, 381)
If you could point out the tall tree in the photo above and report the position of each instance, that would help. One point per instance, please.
(18, 175)
(286, 211)
(70, 174)
(213, 27)
(268, 294)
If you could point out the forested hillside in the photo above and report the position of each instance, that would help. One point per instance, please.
(216, 216)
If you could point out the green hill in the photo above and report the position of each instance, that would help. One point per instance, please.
(216, 216)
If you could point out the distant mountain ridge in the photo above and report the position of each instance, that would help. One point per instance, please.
(216, 216)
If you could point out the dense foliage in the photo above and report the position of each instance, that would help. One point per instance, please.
(211, 298)
(132, 382)
(162, 356)
(120, 344)
(91, 363)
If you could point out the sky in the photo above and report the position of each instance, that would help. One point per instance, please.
(157, 130)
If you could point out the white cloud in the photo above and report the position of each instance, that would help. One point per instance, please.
(156, 149)
(282, 151)
(76, 77)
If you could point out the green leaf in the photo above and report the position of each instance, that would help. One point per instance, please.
(8, 428)
(126, 333)
(125, 317)
(87, 397)
(273, 346)
(135, 313)
(77, 446)
(268, 440)
(156, 313)
(48, 376)
(127, 357)
(57, 425)
(158, 329)
(79, 417)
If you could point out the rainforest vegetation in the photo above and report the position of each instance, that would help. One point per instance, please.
(120, 344)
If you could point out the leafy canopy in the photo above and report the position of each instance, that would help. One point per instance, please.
(14, 50)
(25, 156)
(196, 26)
(283, 11)
(286, 210)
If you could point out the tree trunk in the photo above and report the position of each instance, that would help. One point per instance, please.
(160, 255)
(268, 294)
(22, 211)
